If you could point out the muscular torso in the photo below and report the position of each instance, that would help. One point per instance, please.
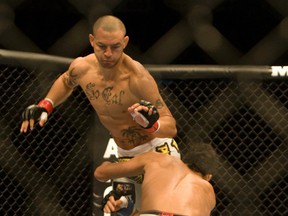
(111, 98)
(177, 190)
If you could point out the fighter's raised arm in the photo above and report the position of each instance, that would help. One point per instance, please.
(152, 112)
(58, 93)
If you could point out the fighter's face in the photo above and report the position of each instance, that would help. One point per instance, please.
(108, 46)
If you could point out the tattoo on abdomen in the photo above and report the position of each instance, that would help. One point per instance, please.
(134, 136)
(107, 95)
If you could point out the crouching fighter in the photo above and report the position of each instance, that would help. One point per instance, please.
(171, 186)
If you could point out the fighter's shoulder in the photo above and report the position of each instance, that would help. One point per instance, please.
(81, 64)
(202, 188)
(134, 67)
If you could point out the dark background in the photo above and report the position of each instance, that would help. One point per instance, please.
(161, 31)
(48, 171)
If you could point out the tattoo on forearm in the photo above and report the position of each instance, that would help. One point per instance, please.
(159, 104)
(134, 135)
(107, 95)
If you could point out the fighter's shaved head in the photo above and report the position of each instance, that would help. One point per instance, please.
(109, 23)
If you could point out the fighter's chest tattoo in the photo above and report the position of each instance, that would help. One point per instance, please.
(106, 94)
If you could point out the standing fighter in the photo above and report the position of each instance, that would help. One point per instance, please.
(123, 93)
(170, 187)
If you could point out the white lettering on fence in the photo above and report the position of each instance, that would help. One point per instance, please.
(279, 71)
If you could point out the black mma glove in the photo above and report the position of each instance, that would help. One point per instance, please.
(35, 111)
(106, 198)
(151, 123)
(127, 206)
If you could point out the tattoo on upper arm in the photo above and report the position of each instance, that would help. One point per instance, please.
(70, 79)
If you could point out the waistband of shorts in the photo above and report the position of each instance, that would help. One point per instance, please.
(144, 147)
(159, 213)
(147, 214)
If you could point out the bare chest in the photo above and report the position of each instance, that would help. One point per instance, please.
(109, 98)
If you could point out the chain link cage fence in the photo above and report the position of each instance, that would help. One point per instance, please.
(241, 110)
